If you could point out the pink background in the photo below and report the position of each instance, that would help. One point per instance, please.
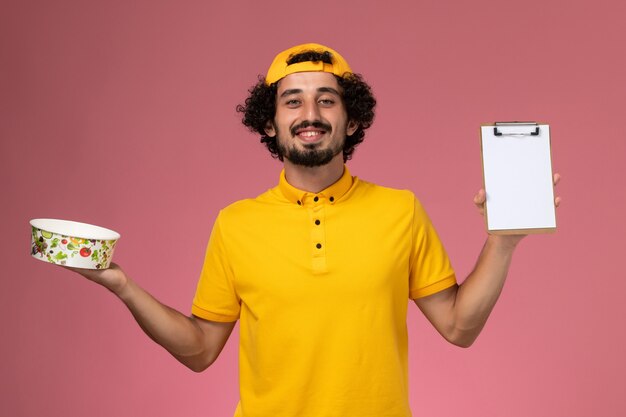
(123, 114)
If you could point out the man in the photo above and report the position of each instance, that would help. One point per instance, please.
(319, 268)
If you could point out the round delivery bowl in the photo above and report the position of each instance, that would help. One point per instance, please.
(75, 244)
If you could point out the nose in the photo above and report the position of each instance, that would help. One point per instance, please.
(311, 111)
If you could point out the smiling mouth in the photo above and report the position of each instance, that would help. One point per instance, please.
(310, 135)
(310, 132)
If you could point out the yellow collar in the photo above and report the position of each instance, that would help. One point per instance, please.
(332, 194)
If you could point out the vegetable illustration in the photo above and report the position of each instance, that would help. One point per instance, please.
(63, 249)
(77, 241)
(60, 256)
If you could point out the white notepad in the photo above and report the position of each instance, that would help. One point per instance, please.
(517, 171)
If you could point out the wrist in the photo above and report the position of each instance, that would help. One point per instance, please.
(122, 289)
(504, 242)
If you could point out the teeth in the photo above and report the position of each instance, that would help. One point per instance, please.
(309, 134)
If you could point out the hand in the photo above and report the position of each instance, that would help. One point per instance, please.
(479, 202)
(112, 278)
(481, 196)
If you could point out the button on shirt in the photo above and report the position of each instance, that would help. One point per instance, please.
(320, 283)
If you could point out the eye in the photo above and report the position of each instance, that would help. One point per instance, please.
(292, 103)
(327, 101)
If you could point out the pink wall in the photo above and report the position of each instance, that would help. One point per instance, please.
(122, 114)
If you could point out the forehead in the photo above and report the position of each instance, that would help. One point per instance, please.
(308, 81)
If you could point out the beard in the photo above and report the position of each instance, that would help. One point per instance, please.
(312, 155)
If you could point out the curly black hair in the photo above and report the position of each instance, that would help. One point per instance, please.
(260, 106)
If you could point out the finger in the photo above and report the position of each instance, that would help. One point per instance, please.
(479, 201)
(556, 178)
(479, 198)
(91, 274)
(557, 201)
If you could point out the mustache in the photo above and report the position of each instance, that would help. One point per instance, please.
(317, 124)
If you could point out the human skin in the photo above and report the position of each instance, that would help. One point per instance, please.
(458, 313)
(311, 96)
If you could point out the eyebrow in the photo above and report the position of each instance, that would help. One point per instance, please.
(320, 90)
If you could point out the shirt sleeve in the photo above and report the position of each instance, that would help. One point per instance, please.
(216, 298)
(430, 268)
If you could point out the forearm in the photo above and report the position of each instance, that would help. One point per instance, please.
(478, 294)
(178, 334)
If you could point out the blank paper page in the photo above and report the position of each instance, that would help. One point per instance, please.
(518, 178)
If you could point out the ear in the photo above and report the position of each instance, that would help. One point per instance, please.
(351, 128)
(269, 129)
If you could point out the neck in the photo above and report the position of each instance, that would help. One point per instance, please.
(314, 179)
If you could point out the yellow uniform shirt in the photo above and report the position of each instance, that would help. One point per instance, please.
(321, 284)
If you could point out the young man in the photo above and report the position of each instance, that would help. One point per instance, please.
(319, 269)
